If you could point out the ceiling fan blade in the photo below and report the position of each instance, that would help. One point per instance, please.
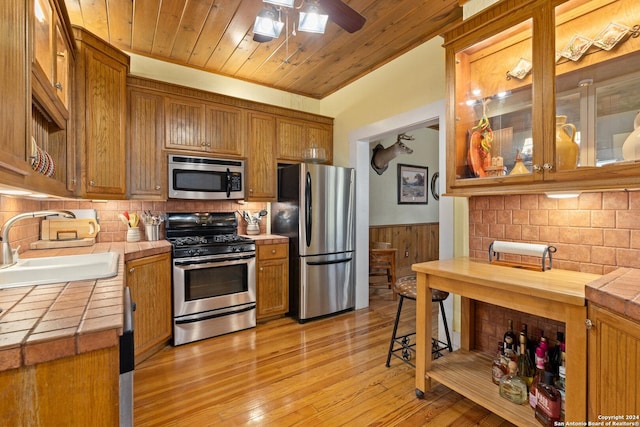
(261, 39)
(340, 13)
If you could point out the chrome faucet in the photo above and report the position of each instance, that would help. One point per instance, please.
(7, 252)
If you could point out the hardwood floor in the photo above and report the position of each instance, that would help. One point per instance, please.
(328, 372)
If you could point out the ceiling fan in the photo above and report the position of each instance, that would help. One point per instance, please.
(335, 10)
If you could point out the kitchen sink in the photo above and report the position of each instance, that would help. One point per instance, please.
(40, 271)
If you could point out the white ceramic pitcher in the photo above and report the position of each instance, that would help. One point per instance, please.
(631, 146)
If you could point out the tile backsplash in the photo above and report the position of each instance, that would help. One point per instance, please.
(594, 233)
(111, 228)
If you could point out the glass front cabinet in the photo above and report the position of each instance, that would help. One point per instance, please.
(544, 96)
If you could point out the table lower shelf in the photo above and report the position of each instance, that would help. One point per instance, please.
(469, 373)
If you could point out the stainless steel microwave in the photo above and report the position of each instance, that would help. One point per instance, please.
(205, 178)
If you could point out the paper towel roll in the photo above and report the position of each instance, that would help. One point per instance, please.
(517, 248)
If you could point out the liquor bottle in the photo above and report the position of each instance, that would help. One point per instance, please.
(512, 387)
(538, 378)
(510, 338)
(526, 368)
(555, 355)
(499, 368)
(560, 383)
(548, 402)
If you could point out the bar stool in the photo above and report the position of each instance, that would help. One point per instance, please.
(403, 347)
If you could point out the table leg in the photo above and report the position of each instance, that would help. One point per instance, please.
(423, 334)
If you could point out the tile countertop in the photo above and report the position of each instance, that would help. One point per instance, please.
(47, 322)
(618, 291)
(267, 239)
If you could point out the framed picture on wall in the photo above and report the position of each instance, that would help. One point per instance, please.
(412, 184)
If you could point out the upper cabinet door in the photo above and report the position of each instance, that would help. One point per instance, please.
(195, 125)
(544, 98)
(14, 105)
(184, 121)
(102, 107)
(261, 165)
(296, 136)
(147, 161)
(225, 130)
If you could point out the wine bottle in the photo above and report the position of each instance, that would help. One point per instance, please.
(526, 368)
(509, 338)
(537, 379)
(555, 355)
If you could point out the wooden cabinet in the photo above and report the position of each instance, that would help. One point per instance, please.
(15, 107)
(51, 50)
(195, 125)
(295, 136)
(149, 280)
(146, 160)
(101, 116)
(261, 167)
(87, 382)
(614, 374)
(272, 282)
(517, 70)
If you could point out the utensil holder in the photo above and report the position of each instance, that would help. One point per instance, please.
(152, 231)
(133, 235)
(253, 229)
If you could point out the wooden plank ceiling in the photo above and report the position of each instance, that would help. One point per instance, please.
(216, 36)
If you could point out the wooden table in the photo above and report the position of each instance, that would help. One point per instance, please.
(552, 294)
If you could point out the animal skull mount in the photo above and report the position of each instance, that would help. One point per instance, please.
(382, 156)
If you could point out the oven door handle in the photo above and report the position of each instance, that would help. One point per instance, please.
(213, 316)
(195, 264)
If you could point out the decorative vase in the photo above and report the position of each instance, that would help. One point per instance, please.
(567, 149)
(631, 146)
(519, 168)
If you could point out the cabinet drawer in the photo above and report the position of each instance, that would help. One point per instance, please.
(277, 251)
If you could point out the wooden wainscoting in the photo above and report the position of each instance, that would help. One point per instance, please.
(419, 241)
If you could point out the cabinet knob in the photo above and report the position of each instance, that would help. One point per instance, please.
(132, 269)
(547, 166)
(73, 180)
(261, 269)
(537, 168)
(273, 251)
(58, 85)
(92, 183)
(157, 187)
(203, 144)
(589, 324)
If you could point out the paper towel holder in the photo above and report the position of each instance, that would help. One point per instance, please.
(525, 249)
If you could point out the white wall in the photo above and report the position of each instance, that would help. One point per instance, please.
(383, 189)
(143, 66)
(411, 81)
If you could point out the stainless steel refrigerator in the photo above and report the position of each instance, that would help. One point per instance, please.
(316, 210)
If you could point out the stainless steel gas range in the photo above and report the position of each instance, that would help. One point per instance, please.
(214, 277)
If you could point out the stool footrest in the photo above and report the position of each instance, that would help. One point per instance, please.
(406, 350)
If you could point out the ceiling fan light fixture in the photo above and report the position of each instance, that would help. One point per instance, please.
(267, 24)
(285, 3)
(313, 20)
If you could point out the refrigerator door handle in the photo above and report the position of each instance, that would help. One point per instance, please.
(308, 196)
(335, 261)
